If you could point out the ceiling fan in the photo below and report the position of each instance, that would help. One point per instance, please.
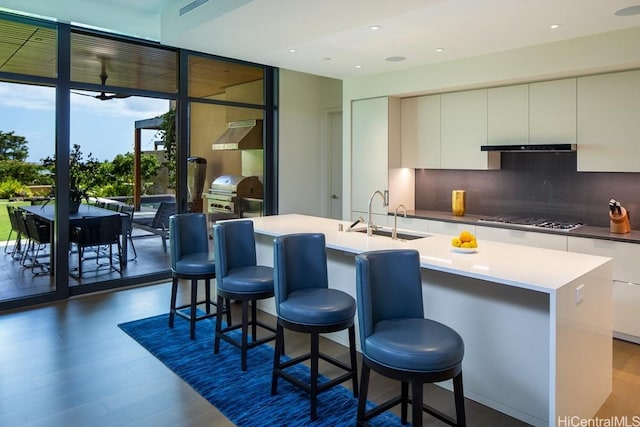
(104, 96)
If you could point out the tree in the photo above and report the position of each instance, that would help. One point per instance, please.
(122, 167)
(14, 151)
(83, 174)
(26, 173)
(13, 147)
(167, 134)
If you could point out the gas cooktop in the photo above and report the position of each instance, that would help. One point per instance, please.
(530, 222)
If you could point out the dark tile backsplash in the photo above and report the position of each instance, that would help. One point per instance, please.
(533, 184)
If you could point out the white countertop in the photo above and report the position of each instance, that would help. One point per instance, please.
(541, 270)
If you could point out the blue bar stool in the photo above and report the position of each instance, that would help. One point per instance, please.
(305, 303)
(190, 259)
(241, 279)
(397, 341)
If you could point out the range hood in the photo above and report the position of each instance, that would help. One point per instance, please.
(240, 135)
(530, 147)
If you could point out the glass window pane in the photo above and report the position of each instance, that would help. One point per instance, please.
(226, 81)
(119, 63)
(105, 132)
(209, 122)
(27, 135)
(28, 49)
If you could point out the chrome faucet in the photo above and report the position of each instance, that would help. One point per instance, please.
(394, 233)
(370, 226)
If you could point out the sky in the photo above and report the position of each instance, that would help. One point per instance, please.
(102, 128)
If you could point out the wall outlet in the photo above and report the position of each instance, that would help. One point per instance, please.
(579, 294)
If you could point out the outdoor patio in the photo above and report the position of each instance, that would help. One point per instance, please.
(17, 282)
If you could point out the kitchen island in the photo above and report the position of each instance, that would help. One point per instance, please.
(536, 322)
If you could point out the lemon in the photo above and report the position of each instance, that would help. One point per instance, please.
(465, 236)
(473, 243)
(456, 242)
(466, 245)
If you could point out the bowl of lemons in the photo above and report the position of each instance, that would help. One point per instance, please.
(465, 243)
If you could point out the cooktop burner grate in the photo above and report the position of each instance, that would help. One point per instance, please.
(531, 222)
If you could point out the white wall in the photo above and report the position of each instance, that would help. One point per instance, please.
(618, 50)
(586, 55)
(305, 100)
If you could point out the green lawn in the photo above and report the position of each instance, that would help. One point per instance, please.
(5, 225)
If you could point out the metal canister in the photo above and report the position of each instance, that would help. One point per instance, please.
(458, 202)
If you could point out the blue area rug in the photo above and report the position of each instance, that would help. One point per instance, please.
(243, 397)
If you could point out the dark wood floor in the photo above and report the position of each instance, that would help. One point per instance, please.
(68, 364)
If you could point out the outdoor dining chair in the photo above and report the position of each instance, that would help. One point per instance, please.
(11, 212)
(39, 235)
(96, 232)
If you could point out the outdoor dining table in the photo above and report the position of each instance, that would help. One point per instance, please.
(46, 213)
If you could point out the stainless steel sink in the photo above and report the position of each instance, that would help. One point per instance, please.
(387, 232)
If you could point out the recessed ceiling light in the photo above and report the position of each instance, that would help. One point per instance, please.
(554, 26)
(293, 50)
(395, 58)
(628, 11)
(374, 27)
(439, 49)
(358, 66)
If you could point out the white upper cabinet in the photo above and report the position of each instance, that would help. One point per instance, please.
(552, 112)
(375, 142)
(464, 130)
(536, 113)
(601, 114)
(609, 122)
(508, 115)
(420, 132)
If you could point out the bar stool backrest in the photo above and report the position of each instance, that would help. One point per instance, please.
(234, 245)
(388, 286)
(187, 235)
(300, 262)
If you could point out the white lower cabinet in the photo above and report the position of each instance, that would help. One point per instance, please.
(416, 224)
(522, 237)
(450, 228)
(626, 281)
(625, 256)
(626, 313)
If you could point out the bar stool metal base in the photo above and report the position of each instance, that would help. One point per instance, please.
(416, 379)
(313, 388)
(192, 316)
(244, 344)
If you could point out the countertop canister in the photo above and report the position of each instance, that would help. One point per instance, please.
(458, 202)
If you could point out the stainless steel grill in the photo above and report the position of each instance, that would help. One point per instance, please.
(233, 196)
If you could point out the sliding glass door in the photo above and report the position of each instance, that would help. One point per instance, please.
(28, 70)
(119, 122)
